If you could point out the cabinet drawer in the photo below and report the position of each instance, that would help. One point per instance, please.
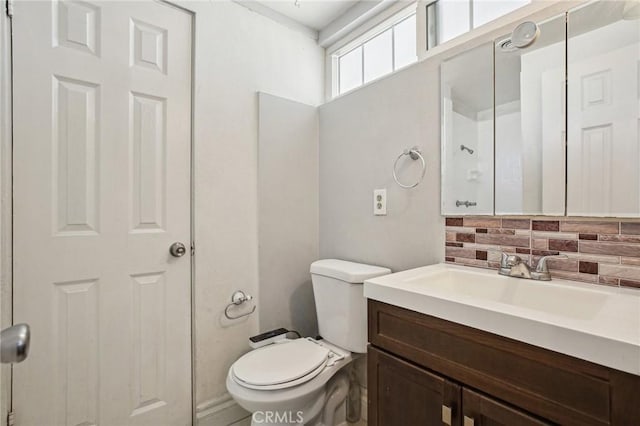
(562, 389)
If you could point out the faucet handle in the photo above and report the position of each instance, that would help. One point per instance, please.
(542, 263)
(508, 260)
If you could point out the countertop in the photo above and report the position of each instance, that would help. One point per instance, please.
(596, 323)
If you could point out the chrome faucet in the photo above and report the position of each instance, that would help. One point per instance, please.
(512, 265)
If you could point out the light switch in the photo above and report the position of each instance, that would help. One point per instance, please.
(380, 202)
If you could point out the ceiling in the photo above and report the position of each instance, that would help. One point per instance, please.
(310, 13)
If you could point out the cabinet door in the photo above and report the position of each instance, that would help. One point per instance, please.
(478, 410)
(403, 394)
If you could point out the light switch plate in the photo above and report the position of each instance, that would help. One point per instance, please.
(380, 202)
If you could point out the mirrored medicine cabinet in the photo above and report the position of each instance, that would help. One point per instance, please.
(550, 126)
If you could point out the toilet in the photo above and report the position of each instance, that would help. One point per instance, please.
(304, 380)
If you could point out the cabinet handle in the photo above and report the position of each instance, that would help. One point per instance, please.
(446, 415)
(468, 421)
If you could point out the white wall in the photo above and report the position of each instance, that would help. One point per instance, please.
(238, 53)
(288, 213)
(509, 161)
(361, 134)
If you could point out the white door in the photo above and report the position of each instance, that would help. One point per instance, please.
(603, 122)
(102, 110)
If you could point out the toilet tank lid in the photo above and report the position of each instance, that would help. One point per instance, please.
(343, 270)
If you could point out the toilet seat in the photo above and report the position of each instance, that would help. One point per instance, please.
(281, 365)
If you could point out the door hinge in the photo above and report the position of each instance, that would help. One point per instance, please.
(11, 418)
(9, 8)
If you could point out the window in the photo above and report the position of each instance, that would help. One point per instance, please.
(378, 56)
(456, 17)
(350, 65)
(388, 48)
(391, 45)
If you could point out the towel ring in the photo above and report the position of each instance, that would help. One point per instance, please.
(415, 154)
(237, 299)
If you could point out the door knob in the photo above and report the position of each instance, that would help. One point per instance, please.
(14, 343)
(177, 249)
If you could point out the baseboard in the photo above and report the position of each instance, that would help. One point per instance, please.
(222, 411)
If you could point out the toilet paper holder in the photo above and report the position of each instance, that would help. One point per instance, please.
(238, 298)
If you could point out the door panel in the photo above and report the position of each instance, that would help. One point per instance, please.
(102, 130)
(403, 394)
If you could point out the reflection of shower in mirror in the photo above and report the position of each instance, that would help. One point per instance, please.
(466, 148)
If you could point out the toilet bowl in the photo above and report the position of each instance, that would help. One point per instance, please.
(284, 380)
(304, 380)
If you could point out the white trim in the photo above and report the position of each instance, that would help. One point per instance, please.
(421, 26)
(6, 258)
(220, 411)
(355, 17)
(255, 6)
(384, 20)
(331, 76)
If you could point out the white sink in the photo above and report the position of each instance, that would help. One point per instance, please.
(597, 323)
(584, 302)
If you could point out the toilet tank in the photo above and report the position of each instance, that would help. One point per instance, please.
(341, 307)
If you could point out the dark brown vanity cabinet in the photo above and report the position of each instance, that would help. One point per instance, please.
(427, 371)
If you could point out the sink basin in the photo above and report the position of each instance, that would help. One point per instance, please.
(584, 302)
(597, 323)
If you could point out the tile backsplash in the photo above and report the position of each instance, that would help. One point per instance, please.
(600, 251)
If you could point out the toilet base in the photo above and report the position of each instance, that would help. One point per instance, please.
(328, 409)
(291, 418)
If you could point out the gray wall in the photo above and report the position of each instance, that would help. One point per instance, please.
(287, 213)
(361, 134)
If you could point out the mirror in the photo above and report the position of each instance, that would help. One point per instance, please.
(603, 55)
(466, 86)
(567, 118)
(529, 119)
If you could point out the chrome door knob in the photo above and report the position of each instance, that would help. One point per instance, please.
(14, 344)
(177, 249)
